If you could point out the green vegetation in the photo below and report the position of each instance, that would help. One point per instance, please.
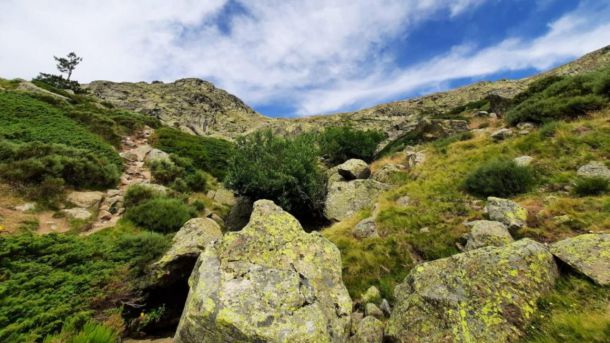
(339, 144)
(138, 194)
(555, 97)
(47, 281)
(163, 215)
(179, 173)
(591, 186)
(208, 154)
(576, 311)
(502, 178)
(286, 171)
(91, 332)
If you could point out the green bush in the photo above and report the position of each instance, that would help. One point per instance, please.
(57, 82)
(50, 280)
(138, 194)
(164, 171)
(160, 214)
(339, 144)
(500, 178)
(286, 171)
(591, 186)
(206, 153)
(179, 173)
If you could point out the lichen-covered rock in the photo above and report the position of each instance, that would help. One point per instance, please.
(222, 196)
(501, 134)
(588, 254)
(487, 233)
(594, 169)
(385, 307)
(354, 169)
(369, 330)
(373, 310)
(77, 213)
(523, 161)
(484, 295)
(186, 246)
(270, 282)
(387, 173)
(372, 295)
(345, 198)
(366, 228)
(506, 211)
(415, 158)
(85, 199)
(155, 155)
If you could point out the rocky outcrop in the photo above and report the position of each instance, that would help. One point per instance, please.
(270, 282)
(485, 295)
(354, 169)
(186, 246)
(85, 199)
(369, 330)
(345, 198)
(594, 170)
(485, 233)
(588, 254)
(506, 211)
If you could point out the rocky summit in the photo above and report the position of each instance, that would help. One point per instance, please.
(289, 291)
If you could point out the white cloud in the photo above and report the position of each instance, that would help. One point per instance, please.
(319, 56)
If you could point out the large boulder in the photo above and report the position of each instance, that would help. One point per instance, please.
(506, 211)
(487, 233)
(344, 198)
(588, 254)
(85, 199)
(186, 246)
(484, 295)
(270, 282)
(354, 169)
(594, 170)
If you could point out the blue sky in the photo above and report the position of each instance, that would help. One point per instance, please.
(297, 58)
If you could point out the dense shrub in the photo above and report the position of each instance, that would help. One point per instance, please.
(206, 153)
(179, 173)
(566, 97)
(499, 178)
(57, 81)
(339, 144)
(137, 194)
(164, 171)
(160, 214)
(591, 186)
(286, 171)
(49, 280)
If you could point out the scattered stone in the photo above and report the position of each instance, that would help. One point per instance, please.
(156, 155)
(186, 246)
(385, 307)
(403, 201)
(105, 215)
(141, 151)
(369, 330)
(77, 213)
(523, 161)
(415, 158)
(371, 309)
(270, 282)
(482, 113)
(506, 211)
(129, 156)
(501, 134)
(487, 233)
(372, 295)
(354, 169)
(222, 196)
(594, 169)
(85, 199)
(366, 228)
(526, 126)
(386, 173)
(344, 199)
(484, 295)
(28, 206)
(589, 254)
(493, 116)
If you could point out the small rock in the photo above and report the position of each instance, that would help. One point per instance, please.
(155, 155)
(354, 169)
(415, 158)
(403, 201)
(424, 230)
(493, 116)
(356, 319)
(501, 134)
(562, 219)
(365, 229)
(482, 113)
(105, 215)
(369, 330)
(594, 169)
(385, 307)
(28, 206)
(85, 199)
(129, 156)
(523, 161)
(506, 211)
(372, 295)
(142, 151)
(487, 233)
(371, 309)
(386, 173)
(589, 254)
(77, 213)
(526, 126)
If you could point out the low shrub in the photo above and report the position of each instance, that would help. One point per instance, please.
(501, 178)
(179, 173)
(138, 194)
(591, 186)
(164, 171)
(57, 82)
(162, 215)
(339, 144)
